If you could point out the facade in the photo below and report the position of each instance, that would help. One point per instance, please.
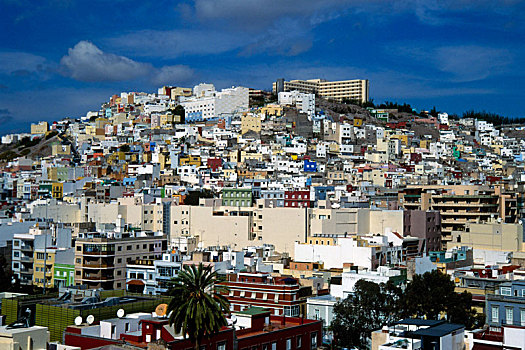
(425, 225)
(64, 275)
(356, 90)
(297, 199)
(254, 328)
(282, 296)
(210, 104)
(304, 102)
(237, 197)
(507, 306)
(461, 204)
(322, 308)
(40, 128)
(29, 338)
(415, 334)
(100, 261)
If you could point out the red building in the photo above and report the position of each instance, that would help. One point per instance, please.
(282, 295)
(254, 329)
(297, 199)
(214, 163)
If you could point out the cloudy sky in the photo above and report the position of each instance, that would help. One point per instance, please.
(62, 58)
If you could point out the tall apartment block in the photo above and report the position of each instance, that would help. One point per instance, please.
(357, 89)
(101, 258)
(461, 204)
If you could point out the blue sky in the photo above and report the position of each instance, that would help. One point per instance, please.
(62, 58)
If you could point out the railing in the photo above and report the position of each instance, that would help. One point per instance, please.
(98, 265)
(100, 253)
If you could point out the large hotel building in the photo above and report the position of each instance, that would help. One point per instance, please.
(336, 90)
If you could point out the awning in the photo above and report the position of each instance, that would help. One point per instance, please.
(136, 283)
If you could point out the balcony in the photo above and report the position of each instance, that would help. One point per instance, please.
(26, 247)
(99, 253)
(97, 265)
(97, 277)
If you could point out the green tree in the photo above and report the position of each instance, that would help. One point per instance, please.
(432, 295)
(428, 295)
(369, 308)
(461, 311)
(198, 305)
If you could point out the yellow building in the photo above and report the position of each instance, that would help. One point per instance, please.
(57, 190)
(180, 91)
(38, 267)
(166, 120)
(250, 122)
(424, 144)
(190, 160)
(40, 128)
(358, 122)
(101, 122)
(402, 138)
(272, 110)
(60, 150)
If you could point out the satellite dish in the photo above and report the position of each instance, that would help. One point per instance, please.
(90, 319)
(120, 313)
(78, 320)
(161, 310)
(233, 319)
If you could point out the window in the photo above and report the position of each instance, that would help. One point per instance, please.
(506, 291)
(128, 247)
(313, 342)
(495, 313)
(522, 317)
(274, 346)
(509, 315)
(119, 248)
(289, 344)
(299, 341)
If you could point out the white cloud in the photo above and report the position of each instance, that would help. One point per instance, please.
(173, 75)
(470, 63)
(174, 43)
(458, 63)
(86, 62)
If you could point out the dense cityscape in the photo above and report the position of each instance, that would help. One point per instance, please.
(301, 217)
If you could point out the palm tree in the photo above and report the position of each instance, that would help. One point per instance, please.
(198, 307)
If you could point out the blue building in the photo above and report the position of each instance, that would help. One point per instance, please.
(321, 191)
(507, 305)
(275, 197)
(310, 166)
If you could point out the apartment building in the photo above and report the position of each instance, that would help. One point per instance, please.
(461, 204)
(100, 259)
(282, 295)
(24, 250)
(357, 90)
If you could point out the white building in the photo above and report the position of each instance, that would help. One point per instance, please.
(207, 103)
(305, 103)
